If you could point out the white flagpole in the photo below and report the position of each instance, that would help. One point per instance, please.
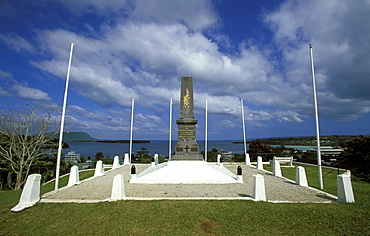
(62, 121)
(131, 127)
(317, 120)
(170, 142)
(206, 134)
(244, 138)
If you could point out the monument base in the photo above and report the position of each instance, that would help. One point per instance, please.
(185, 172)
(187, 157)
(187, 151)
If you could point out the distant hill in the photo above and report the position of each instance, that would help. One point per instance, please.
(330, 140)
(123, 141)
(76, 136)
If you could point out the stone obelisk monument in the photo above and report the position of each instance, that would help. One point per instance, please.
(187, 147)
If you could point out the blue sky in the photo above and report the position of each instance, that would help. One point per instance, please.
(257, 51)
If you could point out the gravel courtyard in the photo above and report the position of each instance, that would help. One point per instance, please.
(99, 189)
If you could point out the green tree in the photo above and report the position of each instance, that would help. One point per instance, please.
(143, 153)
(99, 156)
(82, 159)
(309, 157)
(211, 155)
(107, 160)
(143, 156)
(357, 157)
(24, 133)
(45, 165)
(238, 157)
(256, 146)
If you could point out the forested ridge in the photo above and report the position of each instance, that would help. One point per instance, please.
(331, 140)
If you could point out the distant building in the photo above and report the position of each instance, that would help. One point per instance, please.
(328, 151)
(72, 157)
(227, 156)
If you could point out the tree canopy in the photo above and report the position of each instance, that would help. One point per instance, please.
(23, 133)
(357, 157)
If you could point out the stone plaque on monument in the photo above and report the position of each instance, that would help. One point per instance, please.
(187, 147)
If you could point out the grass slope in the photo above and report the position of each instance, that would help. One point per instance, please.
(189, 217)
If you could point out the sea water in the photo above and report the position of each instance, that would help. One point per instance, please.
(89, 149)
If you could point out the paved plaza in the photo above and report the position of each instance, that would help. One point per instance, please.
(98, 189)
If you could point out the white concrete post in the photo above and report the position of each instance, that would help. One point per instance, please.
(153, 161)
(276, 168)
(218, 159)
(300, 176)
(316, 119)
(345, 192)
(247, 159)
(133, 172)
(116, 162)
(61, 131)
(118, 188)
(206, 133)
(30, 194)
(126, 160)
(99, 169)
(239, 179)
(239, 175)
(259, 193)
(156, 160)
(131, 127)
(243, 119)
(74, 177)
(170, 139)
(259, 163)
(348, 173)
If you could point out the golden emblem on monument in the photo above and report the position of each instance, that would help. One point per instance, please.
(186, 98)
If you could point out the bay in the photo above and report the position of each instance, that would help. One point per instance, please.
(89, 149)
(301, 148)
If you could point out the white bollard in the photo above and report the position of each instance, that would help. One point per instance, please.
(276, 168)
(247, 159)
(348, 173)
(30, 194)
(345, 192)
(259, 193)
(74, 177)
(116, 162)
(99, 169)
(239, 179)
(156, 159)
(118, 188)
(133, 176)
(218, 159)
(259, 163)
(126, 160)
(133, 172)
(239, 174)
(300, 176)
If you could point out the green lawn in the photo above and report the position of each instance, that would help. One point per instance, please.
(190, 217)
(329, 177)
(64, 181)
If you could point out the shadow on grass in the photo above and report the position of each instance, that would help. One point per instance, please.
(326, 197)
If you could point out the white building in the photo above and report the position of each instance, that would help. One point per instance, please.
(328, 151)
(72, 157)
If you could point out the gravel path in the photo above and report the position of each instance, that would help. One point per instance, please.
(277, 189)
